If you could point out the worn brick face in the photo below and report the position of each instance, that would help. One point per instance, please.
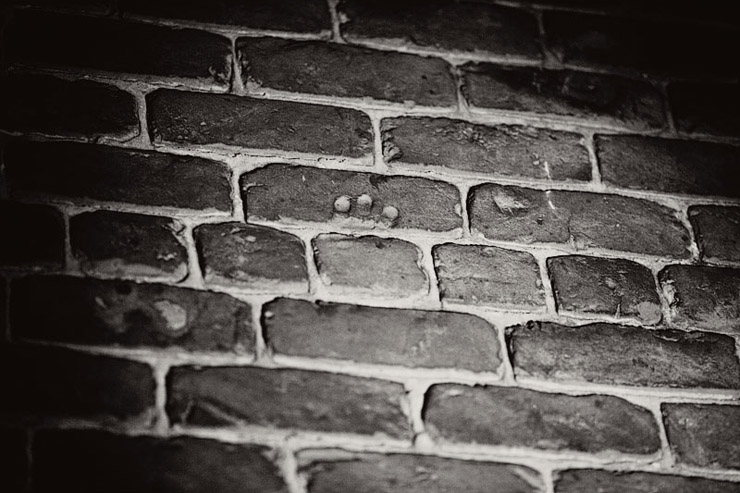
(591, 480)
(13, 445)
(33, 236)
(717, 231)
(705, 108)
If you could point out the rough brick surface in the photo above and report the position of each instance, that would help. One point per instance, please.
(412, 338)
(603, 99)
(621, 355)
(81, 172)
(487, 275)
(246, 255)
(88, 460)
(304, 400)
(385, 267)
(32, 236)
(15, 459)
(505, 150)
(88, 311)
(591, 480)
(329, 69)
(526, 418)
(585, 220)
(667, 165)
(198, 118)
(704, 435)
(299, 193)
(614, 287)
(120, 244)
(717, 231)
(705, 108)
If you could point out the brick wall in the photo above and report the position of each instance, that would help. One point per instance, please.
(317, 247)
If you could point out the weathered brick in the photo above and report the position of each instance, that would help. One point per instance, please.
(240, 254)
(704, 435)
(505, 150)
(305, 400)
(717, 231)
(32, 236)
(82, 172)
(14, 468)
(90, 460)
(198, 118)
(615, 287)
(49, 382)
(382, 266)
(705, 108)
(585, 220)
(667, 165)
(525, 418)
(703, 297)
(330, 69)
(411, 338)
(90, 43)
(80, 109)
(89, 311)
(284, 192)
(120, 244)
(597, 98)
(488, 275)
(444, 25)
(592, 480)
(622, 355)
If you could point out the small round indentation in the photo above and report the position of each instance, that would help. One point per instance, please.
(390, 212)
(342, 204)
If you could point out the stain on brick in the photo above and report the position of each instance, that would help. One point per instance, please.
(705, 108)
(717, 231)
(33, 236)
(591, 480)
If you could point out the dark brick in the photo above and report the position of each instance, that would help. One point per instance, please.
(486, 275)
(590, 481)
(584, 220)
(526, 418)
(667, 165)
(622, 355)
(330, 69)
(3, 308)
(33, 236)
(82, 172)
(704, 435)
(14, 467)
(717, 231)
(88, 460)
(305, 400)
(80, 109)
(89, 311)
(615, 287)
(98, 6)
(705, 108)
(198, 118)
(120, 244)
(240, 254)
(703, 297)
(288, 192)
(44, 381)
(506, 150)
(597, 98)
(89, 43)
(412, 338)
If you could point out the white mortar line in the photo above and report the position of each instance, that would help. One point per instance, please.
(336, 22)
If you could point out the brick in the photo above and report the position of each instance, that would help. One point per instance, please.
(49, 382)
(338, 471)
(120, 244)
(80, 109)
(584, 220)
(198, 118)
(122, 313)
(14, 470)
(382, 266)
(284, 192)
(246, 255)
(667, 165)
(90, 460)
(486, 275)
(3, 308)
(444, 25)
(311, 16)
(596, 98)
(704, 435)
(705, 108)
(411, 338)
(615, 287)
(503, 150)
(80, 173)
(591, 480)
(33, 236)
(99, 44)
(100, 6)
(703, 297)
(717, 231)
(330, 69)
(622, 355)
(296, 399)
(525, 418)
